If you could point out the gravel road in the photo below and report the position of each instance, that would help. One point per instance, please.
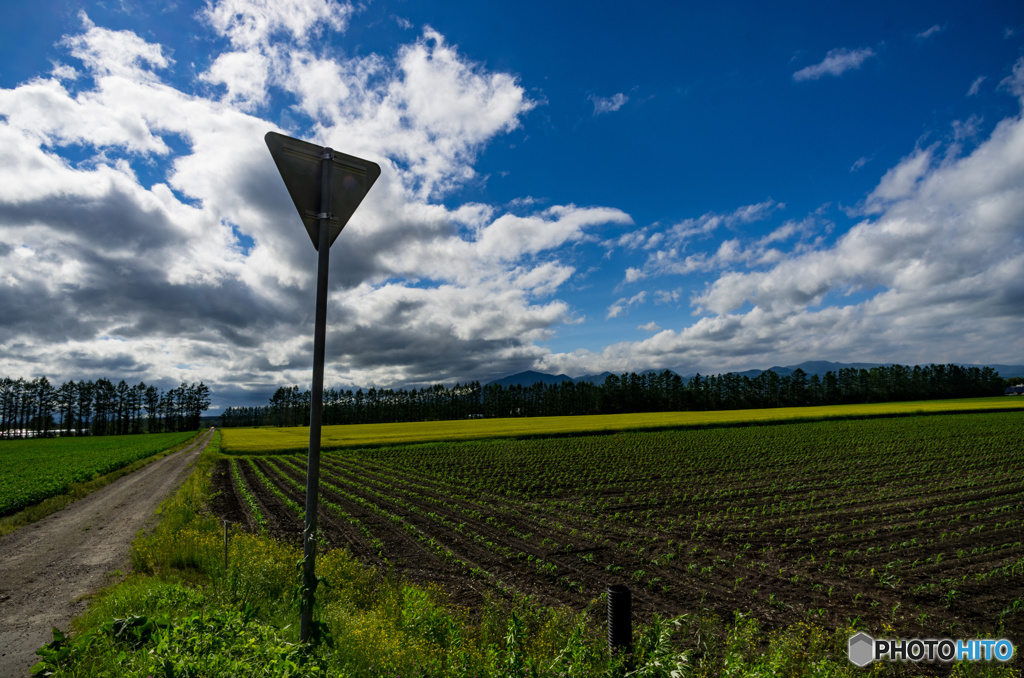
(49, 569)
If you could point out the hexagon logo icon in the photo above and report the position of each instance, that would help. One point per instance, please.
(861, 649)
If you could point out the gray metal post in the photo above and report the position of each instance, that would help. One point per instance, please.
(316, 398)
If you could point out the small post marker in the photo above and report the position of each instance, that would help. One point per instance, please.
(620, 621)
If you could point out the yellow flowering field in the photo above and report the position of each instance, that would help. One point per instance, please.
(272, 440)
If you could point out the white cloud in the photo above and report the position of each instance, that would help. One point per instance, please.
(932, 276)
(975, 86)
(668, 248)
(945, 239)
(782, 233)
(245, 76)
(523, 202)
(900, 181)
(1015, 81)
(836, 62)
(63, 72)
(127, 259)
(668, 296)
(116, 53)
(929, 32)
(751, 213)
(252, 23)
(426, 113)
(445, 95)
(621, 307)
(608, 104)
(128, 278)
(510, 237)
(966, 129)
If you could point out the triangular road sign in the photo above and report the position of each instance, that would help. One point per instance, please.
(299, 163)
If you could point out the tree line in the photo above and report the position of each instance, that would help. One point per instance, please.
(632, 392)
(35, 407)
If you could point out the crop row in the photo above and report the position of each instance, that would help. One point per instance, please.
(914, 518)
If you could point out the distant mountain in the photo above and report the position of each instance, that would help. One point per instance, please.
(1005, 371)
(529, 378)
(593, 378)
(811, 367)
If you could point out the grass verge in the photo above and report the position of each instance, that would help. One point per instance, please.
(77, 491)
(185, 612)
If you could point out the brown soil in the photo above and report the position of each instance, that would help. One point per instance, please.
(49, 569)
(732, 564)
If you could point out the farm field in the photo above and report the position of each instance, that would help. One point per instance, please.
(35, 469)
(913, 522)
(296, 439)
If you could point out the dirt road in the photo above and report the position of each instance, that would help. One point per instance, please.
(48, 568)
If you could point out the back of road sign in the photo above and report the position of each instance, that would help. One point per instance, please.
(299, 163)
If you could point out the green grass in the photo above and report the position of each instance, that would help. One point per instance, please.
(269, 440)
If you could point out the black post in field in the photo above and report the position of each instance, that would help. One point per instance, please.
(316, 398)
(620, 621)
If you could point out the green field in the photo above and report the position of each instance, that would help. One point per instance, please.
(909, 525)
(269, 440)
(35, 469)
(767, 546)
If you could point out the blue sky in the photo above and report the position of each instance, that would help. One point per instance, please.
(567, 187)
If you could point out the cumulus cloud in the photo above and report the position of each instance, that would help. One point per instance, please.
(836, 62)
(426, 113)
(116, 53)
(145, 232)
(944, 237)
(252, 23)
(169, 248)
(244, 76)
(63, 72)
(938, 265)
(931, 273)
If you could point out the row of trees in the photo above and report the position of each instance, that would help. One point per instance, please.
(646, 392)
(35, 407)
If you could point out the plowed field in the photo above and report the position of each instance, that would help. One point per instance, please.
(915, 522)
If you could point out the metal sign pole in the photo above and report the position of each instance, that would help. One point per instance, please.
(326, 188)
(316, 398)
